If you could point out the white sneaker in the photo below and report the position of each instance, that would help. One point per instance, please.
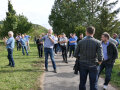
(105, 87)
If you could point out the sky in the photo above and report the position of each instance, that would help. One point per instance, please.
(37, 11)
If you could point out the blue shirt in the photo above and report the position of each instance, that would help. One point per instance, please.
(10, 43)
(23, 41)
(47, 42)
(27, 38)
(105, 55)
(73, 39)
(76, 37)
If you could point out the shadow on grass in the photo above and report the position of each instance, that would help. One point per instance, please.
(21, 70)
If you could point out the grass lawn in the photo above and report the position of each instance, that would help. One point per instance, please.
(26, 72)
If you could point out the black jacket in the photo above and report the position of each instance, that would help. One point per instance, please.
(112, 53)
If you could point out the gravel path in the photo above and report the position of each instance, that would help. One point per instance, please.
(65, 78)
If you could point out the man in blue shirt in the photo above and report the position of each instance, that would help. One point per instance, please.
(10, 43)
(48, 49)
(27, 37)
(110, 54)
(23, 44)
(72, 43)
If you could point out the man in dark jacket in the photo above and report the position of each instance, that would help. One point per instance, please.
(110, 54)
(89, 51)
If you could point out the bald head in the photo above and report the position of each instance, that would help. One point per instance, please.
(50, 31)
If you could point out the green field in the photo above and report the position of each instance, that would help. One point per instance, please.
(26, 72)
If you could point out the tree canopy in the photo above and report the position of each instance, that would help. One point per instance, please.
(70, 16)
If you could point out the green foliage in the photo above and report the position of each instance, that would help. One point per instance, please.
(38, 30)
(10, 23)
(66, 15)
(23, 25)
(80, 29)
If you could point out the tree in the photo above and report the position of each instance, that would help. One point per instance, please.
(23, 25)
(67, 15)
(107, 21)
(10, 23)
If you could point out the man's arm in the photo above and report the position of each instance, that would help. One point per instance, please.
(77, 51)
(52, 40)
(115, 52)
(99, 53)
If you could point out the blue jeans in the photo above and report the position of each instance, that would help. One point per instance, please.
(72, 49)
(108, 71)
(93, 77)
(10, 57)
(24, 47)
(49, 51)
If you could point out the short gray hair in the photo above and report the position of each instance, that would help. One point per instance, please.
(11, 33)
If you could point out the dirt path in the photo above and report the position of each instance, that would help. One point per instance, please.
(65, 78)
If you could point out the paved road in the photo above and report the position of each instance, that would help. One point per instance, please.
(65, 78)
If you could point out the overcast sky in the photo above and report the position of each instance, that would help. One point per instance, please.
(37, 11)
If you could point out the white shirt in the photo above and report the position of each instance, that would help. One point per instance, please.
(55, 40)
(63, 39)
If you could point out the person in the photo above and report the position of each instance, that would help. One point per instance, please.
(80, 37)
(72, 43)
(10, 43)
(63, 43)
(115, 36)
(113, 41)
(110, 54)
(18, 37)
(48, 49)
(23, 44)
(27, 37)
(59, 46)
(56, 43)
(39, 43)
(89, 52)
(35, 39)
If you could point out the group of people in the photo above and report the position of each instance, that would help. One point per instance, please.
(92, 55)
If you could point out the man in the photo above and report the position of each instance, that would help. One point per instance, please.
(23, 44)
(89, 51)
(72, 43)
(27, 37)
(110, 53)
(10, 43)
(80, 37)
(39, 43)
(18, 37)
(63, 43)
(115, 36)
(48, 49)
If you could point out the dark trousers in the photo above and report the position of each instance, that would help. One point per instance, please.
(24, 48)
(72, 49)
(40, 50)
(64, 53)
(55, 48)
(93, 77)
(49, 51)
(10, 57)
(18, 46)
(108, 71)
